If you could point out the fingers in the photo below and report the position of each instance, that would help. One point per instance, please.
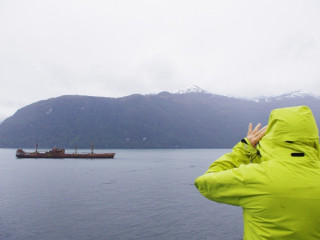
(257, 132)
(255, 135)
(262, 131)
(256, 128)
(249, 129)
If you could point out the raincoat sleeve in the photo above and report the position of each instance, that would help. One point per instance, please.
(225, 180)
(242, 153)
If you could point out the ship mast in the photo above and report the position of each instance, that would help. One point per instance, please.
(91, 148)
(36, 147)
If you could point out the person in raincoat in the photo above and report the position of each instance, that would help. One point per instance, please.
(274, 175)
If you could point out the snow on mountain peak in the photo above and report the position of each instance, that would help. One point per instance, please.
(297, 94)
(294, 94)
(192, 89)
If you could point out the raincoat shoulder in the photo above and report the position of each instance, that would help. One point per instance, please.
(228, 179)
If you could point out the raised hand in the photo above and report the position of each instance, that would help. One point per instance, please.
(255, 135)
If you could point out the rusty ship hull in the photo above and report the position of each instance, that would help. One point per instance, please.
(60, 153)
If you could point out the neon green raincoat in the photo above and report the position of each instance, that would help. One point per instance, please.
(277, 183)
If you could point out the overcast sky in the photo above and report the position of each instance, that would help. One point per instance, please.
(246, 48)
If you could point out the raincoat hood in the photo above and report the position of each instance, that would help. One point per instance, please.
(292, 132)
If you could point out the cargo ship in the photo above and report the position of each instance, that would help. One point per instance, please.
(60, 153)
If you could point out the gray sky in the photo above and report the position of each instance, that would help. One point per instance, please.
(246, 48)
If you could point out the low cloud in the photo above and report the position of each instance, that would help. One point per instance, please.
(116, 48)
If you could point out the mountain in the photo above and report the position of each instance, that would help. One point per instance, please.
(183, 119)
(192, 89)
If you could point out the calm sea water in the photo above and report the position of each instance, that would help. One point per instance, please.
(141, 194)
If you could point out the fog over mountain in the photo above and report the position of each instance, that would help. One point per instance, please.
(190, 118)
